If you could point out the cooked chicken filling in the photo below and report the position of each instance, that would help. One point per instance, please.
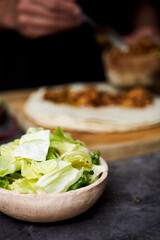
(92, 97)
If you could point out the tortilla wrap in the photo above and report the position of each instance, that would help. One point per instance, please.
(91, 119)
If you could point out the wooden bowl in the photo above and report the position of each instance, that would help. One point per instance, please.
(131, 71)
(52, 207)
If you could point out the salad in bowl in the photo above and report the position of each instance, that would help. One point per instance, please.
(41, 162)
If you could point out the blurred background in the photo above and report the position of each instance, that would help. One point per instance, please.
(71, 54)
(50, 42)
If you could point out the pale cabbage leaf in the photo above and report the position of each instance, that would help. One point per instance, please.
(34, 145)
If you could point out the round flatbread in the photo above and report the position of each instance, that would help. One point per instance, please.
(91, 119)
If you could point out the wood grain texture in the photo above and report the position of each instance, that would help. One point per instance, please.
(113, 146)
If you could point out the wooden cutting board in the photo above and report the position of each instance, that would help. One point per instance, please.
(113, 146)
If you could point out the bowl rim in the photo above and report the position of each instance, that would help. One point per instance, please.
(133, 58)
(50, 195)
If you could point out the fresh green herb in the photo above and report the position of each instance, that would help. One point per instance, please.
(83, 181)
(95, 157)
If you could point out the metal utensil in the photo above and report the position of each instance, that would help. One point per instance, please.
(111, 35)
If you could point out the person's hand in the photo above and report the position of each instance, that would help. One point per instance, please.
(37, 18)
(150, 32)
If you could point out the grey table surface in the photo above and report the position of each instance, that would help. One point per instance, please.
(129, 208)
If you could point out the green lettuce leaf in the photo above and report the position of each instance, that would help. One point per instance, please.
(4, 182)
(51, 155)
(27, 170)
(44, 167)
(33, 145)
(59, 136)
(8, 167)
(82, 181)
(23, 185)
(35, 170)
(6, 150)
(9, 179)
(62, 142)
(13, 177)
(98, 170)
(79, 157)
(58, 180)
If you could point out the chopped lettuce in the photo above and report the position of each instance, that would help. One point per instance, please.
(58, 180)
(51, 155)
(44, 167)
(62, 142)
(6, 150)
(33, 145)
(9, 179)
(27, 170)
(4, 183)
(23, 185)
(8, 167)
(13, 177)
(97, 169)
(61, 147)
(44, 162)
(59, 136)
(79, 157)
(34, 169)
(82, 181)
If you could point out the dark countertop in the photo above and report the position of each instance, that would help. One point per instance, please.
(129, 208)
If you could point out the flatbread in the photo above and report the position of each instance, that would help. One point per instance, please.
(99, 119)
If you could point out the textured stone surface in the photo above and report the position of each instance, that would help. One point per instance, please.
(129, 209)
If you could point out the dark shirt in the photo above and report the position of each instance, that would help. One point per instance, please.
(68, 57)
(73, 56)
